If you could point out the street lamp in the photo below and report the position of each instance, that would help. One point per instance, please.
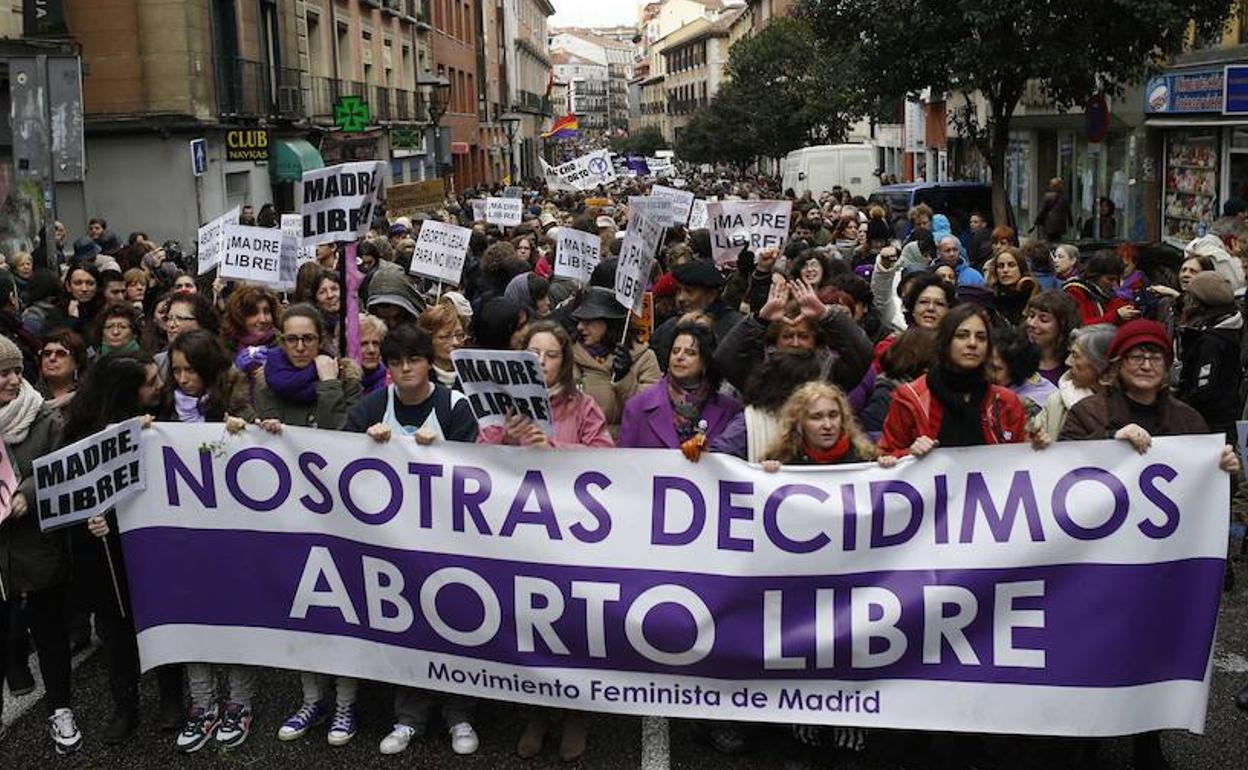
(511, 123)
(439, 90)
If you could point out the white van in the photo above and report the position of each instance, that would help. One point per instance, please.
(819, 169)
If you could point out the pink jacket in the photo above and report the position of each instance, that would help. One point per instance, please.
(578, 422)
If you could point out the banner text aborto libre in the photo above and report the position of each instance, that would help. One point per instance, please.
(973, 590)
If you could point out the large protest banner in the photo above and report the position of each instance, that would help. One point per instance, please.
(252, 254)
(89, 476)
(500, 381)
(1072, 591)
(440, 251)
(757, 224)
(505, 212)
(210, 242)
(577, 254)
(337, 202)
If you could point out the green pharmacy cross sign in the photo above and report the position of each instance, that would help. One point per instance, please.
(351, 114)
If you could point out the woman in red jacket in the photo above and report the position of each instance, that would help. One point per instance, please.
(955, 403)
(1093, 291)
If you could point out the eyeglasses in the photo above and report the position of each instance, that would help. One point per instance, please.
(178, 319)
(117, 327)
(451, 337)
(53, 353)
(1139, 359)
(300, 340)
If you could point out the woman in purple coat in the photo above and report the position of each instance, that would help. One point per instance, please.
(686, 404)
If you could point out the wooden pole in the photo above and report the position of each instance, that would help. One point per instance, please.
(112, 571)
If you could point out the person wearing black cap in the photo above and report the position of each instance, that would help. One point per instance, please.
(698, 285)
(607, 371)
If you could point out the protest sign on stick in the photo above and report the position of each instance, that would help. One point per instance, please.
(757, 224)
(252, 254)
(504, 212)
(210, 241)
(337, 202)
(440, 251)
(637, 254)
(682, 202)
(89, 476)
(498, 381)
(577, 254)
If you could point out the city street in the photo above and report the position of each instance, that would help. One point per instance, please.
(615, 743)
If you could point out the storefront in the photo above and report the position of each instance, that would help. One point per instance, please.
(1203, 127)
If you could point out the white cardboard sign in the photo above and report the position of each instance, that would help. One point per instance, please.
(440, 251)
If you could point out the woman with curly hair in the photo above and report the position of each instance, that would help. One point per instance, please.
(817, 427)
(248, 328)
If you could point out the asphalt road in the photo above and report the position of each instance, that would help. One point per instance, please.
(615, 742)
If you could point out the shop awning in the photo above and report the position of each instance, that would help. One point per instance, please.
(289, 158)
(1197, 121)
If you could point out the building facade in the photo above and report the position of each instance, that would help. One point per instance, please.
(588, 87)
(531, 80)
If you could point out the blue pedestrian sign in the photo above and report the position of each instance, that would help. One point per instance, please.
(199, 156)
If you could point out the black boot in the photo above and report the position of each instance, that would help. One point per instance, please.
(172, 714)
(21, 681)
(121, 726)
(1241, 699)
(1148, 753)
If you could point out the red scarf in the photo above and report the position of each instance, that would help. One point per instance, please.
(831, 455)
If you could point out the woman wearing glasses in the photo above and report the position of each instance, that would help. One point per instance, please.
(1136, 406)
(447, 331)
(302, 386)
(62, 360)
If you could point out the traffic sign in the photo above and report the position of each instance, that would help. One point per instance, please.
(199, 156)
(351, 114)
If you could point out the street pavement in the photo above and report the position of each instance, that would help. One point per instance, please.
(615, 742)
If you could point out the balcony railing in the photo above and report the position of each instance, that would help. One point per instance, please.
(252, 89)
(527, 101)
(386, 105)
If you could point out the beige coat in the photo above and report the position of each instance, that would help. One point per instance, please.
(594, 377)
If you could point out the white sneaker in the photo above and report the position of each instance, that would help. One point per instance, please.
(65, 734)
(396, 742)
(464, 739)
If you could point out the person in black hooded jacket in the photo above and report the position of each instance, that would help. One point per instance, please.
(1210, 332)
(11, 327)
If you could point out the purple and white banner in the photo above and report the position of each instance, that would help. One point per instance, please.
(1072, 591)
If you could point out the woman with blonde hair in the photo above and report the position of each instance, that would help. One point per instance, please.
(447, 330)
(817, 427)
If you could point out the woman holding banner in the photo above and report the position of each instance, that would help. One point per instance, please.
(301, 386)
(118, 387)
(31, 562)
(578, 422)
(199, 390)
(417, 406)
(1136, 406)
(685, 408)
(955, 403)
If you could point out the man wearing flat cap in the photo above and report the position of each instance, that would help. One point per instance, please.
(698, 283)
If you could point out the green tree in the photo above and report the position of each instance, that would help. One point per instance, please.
(719, 132)
(800, 90)
(1073, 49)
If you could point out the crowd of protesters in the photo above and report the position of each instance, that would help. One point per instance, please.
(849, 344)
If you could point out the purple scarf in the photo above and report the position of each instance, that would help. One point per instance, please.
(375, 379)
(253, 349)
(288, 382)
